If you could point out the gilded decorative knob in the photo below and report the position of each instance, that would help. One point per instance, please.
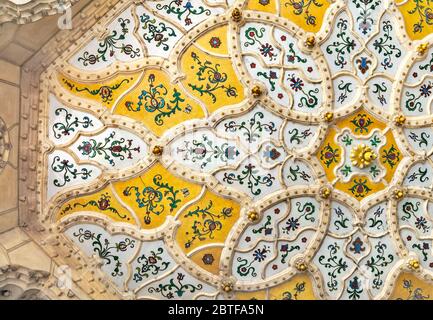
(158, 150)
(400, 120)
(398, 194)
(253, 216)
(422, 49)
(256, 91)
(227, 287)
(236, 15)
(325, 193)
(413, 264)
(301, 266)
(329, 116)
(310, 42)
(362, 156)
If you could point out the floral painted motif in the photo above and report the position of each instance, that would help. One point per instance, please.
(303, 8)
(70, 123)
(152, 264)
(68, 171)
(216, 79)
(149, 198)
(106, 250)
(111, 149)
(155, 100)
(110, 45)
(175, 288)
(105, 93)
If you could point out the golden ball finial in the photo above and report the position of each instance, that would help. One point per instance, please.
(301, 266)
(310, 42)
(157, 151)
(413, 264)
(422, 49)
(236, 15)
(398, 194)
(253, 216)
(400, 120)
(362, 156)
(329, 116)
(227, 287)
(325, 193)
(256, 91)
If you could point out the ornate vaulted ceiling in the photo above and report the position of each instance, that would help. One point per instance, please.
(233, 149)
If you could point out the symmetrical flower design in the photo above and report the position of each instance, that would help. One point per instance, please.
(247, 149)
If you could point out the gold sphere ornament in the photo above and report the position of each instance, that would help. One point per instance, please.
(362, 156)
(329, 116)
(325, 193)
(301, 266)
(158, 150)
(253, 216)
(256, 91)
(236, 15)
(413, 264)
(400, 120)
(310, 42)
(422, 49)
(398, 194)
(227, 287)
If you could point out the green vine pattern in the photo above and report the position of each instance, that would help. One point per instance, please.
(111, 148)
(309, 97)
(104, 92)
(411, 210)
(246, 267)
(345, 88)
(103, 204)
(250, 175)
(335, 265)
(421, 139)
(175, 288)
(253, 36)
(413, 102)
(303, 7)
(150, 198)
(110, 45)
(420, 175)
(298, 136)
(215, 79)
(158, 33)
(296, 173)
(69, 172)
(69, 123)
(344, 44)
(386, 49)
(377, 263)
(106, 250)
(340, 220)
(305, 211)
(296, 292)
(150, 264)
(413, 293)
(377, 221)
(366, 9)
(153, 100)
(207, 224)
(206, 150)
(379, 90)
(183, 11)
(424, 12)
(252, 129)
